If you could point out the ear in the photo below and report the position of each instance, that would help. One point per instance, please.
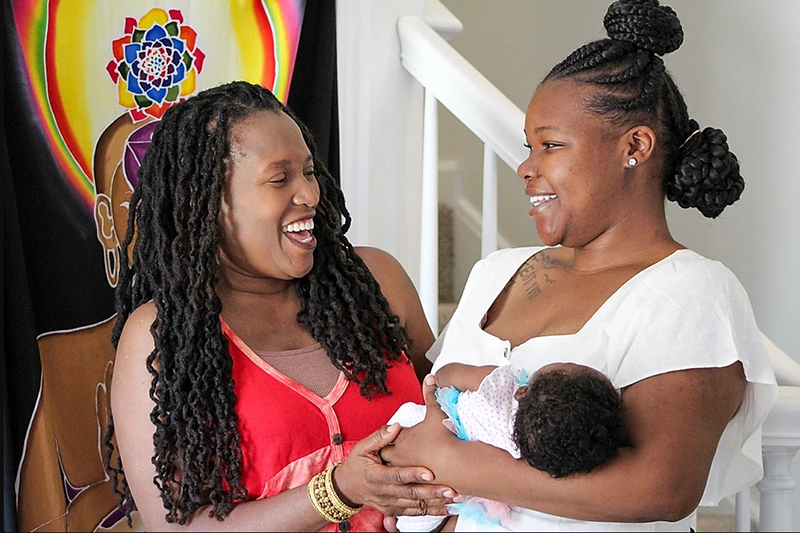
(104, 219)
(637, 144)
(520, 392)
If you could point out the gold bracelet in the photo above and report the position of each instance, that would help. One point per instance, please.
(340, 506)
(325, 500)
(317, 497)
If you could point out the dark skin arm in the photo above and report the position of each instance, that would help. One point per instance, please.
(399, 291)
(666, 466)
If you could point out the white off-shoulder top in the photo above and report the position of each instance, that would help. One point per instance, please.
(685, 311)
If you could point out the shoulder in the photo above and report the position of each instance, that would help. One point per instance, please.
(378, 261)
(684, 312)
(399, 291)
(386, 270)
(136, 341)
(499, 265)
(685, 288)
(132, 380)
(141, 318)
(688, 278)
(503, 381)
(507, 258)
(394, 282)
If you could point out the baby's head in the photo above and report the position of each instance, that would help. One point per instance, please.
(570, 419)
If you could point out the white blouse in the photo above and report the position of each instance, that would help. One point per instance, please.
(682, 312)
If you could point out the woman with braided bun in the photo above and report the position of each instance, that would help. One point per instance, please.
(258, 352)
(610, 137)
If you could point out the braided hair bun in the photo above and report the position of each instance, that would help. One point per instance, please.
(630, 85)
(707, 176)
(644, 23)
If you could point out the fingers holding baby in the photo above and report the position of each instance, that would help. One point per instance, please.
(423, 437)
(395, 490)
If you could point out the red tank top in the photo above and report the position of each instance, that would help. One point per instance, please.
(288, 434)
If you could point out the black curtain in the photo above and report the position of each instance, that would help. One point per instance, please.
(20, 353)
(21, 356)
(313, 93)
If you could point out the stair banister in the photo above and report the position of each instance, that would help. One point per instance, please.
(489, 215)
(429, 227)
(780, 443)
(448, 78)
(454, 82)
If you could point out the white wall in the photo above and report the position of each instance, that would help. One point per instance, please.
(380, 127)
(739, 70)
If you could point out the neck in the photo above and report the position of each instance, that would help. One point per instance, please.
(234, 285)
(636, 239)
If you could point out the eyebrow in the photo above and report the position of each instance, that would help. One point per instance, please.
(540, 129)
(280, 163)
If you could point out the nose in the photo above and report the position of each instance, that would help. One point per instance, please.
(307, 193)
(527, 169)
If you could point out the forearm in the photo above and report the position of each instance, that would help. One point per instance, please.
(627, 489)
(462, 377)
(661, 476)
(290, 510)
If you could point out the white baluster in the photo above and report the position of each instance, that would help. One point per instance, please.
(776, 489)
(743, 510)
(489, 218)
(780, 443)
(429, 233)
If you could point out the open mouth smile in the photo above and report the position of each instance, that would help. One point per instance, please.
(539, 199)
(300, 232)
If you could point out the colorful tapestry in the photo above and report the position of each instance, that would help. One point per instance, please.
(91, 79)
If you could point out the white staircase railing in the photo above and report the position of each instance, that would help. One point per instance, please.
(450, 79)
(780, 443)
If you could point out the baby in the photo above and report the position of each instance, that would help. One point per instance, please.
(567, 419)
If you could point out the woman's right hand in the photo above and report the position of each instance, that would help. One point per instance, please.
(363, 479)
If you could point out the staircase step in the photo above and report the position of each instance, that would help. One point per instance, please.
(446, 253)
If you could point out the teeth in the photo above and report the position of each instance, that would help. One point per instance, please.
(542, 198)
(299, 226)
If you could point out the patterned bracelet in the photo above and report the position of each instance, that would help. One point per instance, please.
(334, 496)
(327, 502)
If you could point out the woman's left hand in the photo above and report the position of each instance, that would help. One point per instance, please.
(425, 443)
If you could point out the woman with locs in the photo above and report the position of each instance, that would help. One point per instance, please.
(258, 352)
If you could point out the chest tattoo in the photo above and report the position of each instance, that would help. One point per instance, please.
(532, 272)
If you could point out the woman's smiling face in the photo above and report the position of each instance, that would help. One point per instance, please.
(269, 200)
(574, 173)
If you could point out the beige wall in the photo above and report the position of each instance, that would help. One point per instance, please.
(739, 70)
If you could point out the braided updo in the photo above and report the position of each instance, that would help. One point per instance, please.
(633, 87)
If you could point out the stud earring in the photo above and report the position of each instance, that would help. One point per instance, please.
(632, 161)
